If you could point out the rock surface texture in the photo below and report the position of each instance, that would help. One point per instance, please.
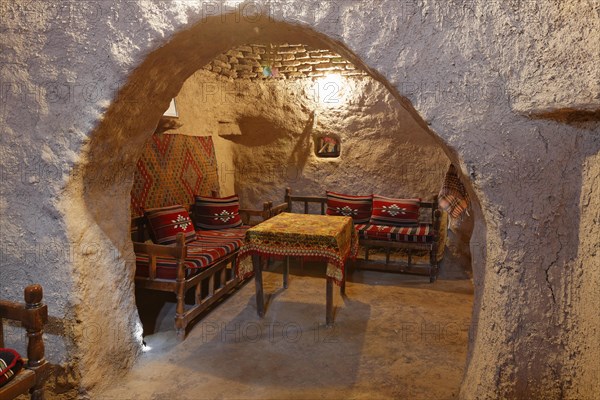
(266, 135)
(84, 85)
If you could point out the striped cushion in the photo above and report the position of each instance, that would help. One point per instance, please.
(211, 246)
(357, 207)
(395, 212)
(217, 212)
(422, 233)
(10, 364)
(166, 222)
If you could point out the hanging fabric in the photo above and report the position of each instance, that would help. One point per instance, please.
(453, 197)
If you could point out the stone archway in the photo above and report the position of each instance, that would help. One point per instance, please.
(98, 195)
(537, 323)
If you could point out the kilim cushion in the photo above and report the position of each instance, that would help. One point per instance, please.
(209, 247)
(10, 364)
(357, 207)
(422, 233)
(395, 212)
(165, 223)
(217, 212)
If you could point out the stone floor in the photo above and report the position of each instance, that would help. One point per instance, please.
(395, 337)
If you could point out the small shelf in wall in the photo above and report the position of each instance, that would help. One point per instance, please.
(328, 146)
(229, 128)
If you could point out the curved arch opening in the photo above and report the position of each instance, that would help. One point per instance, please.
(117, 143)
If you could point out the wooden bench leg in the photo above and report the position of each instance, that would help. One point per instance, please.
(211, 286)
(260, 302)
(37, 394)
(433, 267)
(223, 278)
(180, 309)
(286, 272)
(198, 294)
(329, 302)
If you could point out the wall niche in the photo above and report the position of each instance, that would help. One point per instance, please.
(328, 146)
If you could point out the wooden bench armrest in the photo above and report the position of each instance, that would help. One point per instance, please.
(278, 209)
(177, 251)
(160, 250)
(247, 213)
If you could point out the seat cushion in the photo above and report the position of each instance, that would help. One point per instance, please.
(357, 207)
(209, 247)
(422, 233)
(395, 212)
(10, 365)
(217, 212)
(165, 223)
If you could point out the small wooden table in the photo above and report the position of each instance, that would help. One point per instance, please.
(314, 237)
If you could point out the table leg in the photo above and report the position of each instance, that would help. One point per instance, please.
(286, 272)
(260, 303)
(343, 286)
(329, 302)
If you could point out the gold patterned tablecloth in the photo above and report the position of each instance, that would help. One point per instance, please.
(315, 237)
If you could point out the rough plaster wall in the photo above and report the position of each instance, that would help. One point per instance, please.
(468, 71)
(384, 150)
(551, 41)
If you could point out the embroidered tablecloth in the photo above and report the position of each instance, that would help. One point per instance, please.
(316, 237)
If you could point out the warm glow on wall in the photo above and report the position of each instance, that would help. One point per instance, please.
(331, 90)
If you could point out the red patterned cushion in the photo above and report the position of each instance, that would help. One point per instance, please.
(166, 222)
(217, 212)
(357, 207)
(209, 247)
(395, 212)
(422, 233)
(10, 364)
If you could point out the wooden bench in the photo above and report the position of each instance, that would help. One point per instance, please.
(431, 216)
(210, 284)
(33, 315)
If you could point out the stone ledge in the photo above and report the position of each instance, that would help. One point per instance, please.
(568, 115)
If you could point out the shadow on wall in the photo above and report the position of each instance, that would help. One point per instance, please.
(259, 131)
(266, 149)
(302, 149)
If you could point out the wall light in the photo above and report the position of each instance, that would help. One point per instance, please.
(331, 90)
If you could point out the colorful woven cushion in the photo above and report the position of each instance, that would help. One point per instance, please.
(210, 247)
(422, 233)
(217, 212)
(10, 364)
(395, 212)
(166, 222)
(357, 207)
